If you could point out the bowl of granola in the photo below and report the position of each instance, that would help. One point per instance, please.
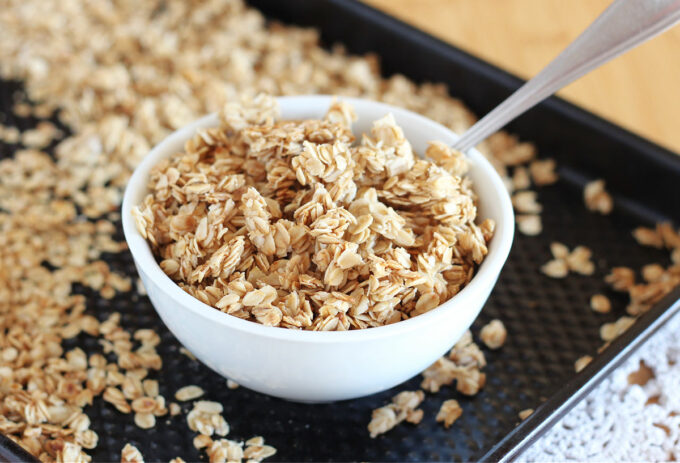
(309, 263)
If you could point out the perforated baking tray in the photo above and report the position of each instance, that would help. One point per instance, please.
(548, 320)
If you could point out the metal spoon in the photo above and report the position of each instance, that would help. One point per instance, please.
(622, 26)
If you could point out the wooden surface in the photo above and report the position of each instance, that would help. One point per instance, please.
(639, 90)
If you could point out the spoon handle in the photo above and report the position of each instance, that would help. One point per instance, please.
(622, 26)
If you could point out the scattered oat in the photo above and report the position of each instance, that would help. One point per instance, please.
(231, 384)
(404, 407)
(621, 278)
(597, 199)
(600, 303)
(578, 261)
(521, 179)
(129, 454)
(188, 393)
(524, 414)
(582, 362)
(525, 202)
(10, 135)
(529, 224)
(648, 237)
(462, 365)
(185, 351)
(202, 441)
(494, 334)
(556, 268)
(449, 412)
(177, 460)
(611, 331)
(145, 420)
(206, 418)
(543, 172)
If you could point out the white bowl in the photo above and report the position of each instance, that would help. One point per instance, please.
(309, 366)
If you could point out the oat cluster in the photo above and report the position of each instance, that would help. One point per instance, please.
(404, 407)
(597, 198)
(564, 261)
(449, 412)
(463, 365)
(493, 334)
(292, 224)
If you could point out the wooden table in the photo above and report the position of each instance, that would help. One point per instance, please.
(640, 90)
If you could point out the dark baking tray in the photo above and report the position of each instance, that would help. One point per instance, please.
(549, 322)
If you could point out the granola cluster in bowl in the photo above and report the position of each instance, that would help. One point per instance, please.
(290, 221)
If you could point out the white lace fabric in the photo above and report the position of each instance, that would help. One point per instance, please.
(619, 421)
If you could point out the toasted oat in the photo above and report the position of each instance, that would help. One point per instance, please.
(648, 237)
(462, 365)
(449, 412)
(529, 224)
(652, 273)
(621, 278)
(556, 268)
(231, 384)
(257, 440)
(524, 414)
(185, 351)
(144, 405)
(543, 172)
(258, 452)
(318, 234)
(600, 303)
(582, 362)
(224, 450)
(206, 418)
(174, 409)
(597, 198)
(177, 460)
(188, 393)
(494, 334)
(525, 202)
(41, 136)
(145, 420)
(610, 331)
(10, 135)
(578, 261)
(202, 441)
(521, 179)
(404, 406)
(129, 454)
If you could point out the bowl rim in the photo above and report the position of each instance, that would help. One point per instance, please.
(486, 274)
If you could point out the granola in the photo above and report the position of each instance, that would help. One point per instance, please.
(404, 407)
(291, 224)
(449, 412)
(494, 334)
(597, 198)
(564, 261)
